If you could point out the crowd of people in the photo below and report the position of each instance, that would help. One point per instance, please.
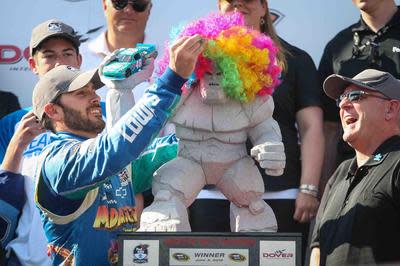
(62, 167)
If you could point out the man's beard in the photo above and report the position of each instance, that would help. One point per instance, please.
(73, 120)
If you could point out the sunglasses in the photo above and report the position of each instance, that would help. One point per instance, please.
(354, 96)
(137, 5)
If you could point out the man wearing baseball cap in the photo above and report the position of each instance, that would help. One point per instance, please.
(50, 29)
(359, 216)
(52, 43)
(83, 191)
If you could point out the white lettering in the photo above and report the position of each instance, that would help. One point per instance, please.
(209, 255)
(136, 123)
(396, 49)
(144, 115)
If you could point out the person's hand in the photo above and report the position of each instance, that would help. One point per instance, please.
(306, 207)
(271, 156)
(183, 54)
(130, 82)
(27, 130)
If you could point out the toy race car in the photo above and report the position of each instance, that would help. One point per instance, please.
(129, 61)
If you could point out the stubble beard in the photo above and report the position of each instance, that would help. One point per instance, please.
(73, 120)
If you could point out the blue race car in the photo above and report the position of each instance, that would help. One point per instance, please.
(129, 61)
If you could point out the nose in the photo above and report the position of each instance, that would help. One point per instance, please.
(61, 60)
(129, 8)
(95, 98)
(344, 103)
(238, 6)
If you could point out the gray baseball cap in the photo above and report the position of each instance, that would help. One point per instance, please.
(371, 79)
(59, 80)
(52, 28)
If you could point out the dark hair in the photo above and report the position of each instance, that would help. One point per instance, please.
(37, 48)
(46, 122)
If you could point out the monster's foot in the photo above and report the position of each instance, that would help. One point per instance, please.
(166, 214)
(258, 217)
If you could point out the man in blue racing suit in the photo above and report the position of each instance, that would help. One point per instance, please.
(83, 191)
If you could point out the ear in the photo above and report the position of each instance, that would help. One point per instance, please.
(32, 65)
(79, 60)
(392, 110)
(105, 4)
(53, 111)
(264, 4)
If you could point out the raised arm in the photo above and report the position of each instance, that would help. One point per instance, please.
(80, 166)
(27, 130)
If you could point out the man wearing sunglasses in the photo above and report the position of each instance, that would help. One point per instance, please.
(126, 23)
(359, 215)
(372, 42)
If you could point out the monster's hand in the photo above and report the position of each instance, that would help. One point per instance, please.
(271, 156)
(130, 81)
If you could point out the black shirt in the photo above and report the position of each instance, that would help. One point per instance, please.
(353, 50)
(359, 219)
(8, 103)
(299, 89)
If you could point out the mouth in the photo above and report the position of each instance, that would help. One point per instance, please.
(95, 111)
(240, 10)
(213, 84)
(350, 120)
(127, 19)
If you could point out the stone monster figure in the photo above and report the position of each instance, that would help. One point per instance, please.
(227, 102)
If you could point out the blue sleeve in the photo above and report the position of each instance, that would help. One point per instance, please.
(12, 199)
(74, 167)
(7, 129)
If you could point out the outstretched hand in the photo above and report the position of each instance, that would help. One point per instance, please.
(129, 82)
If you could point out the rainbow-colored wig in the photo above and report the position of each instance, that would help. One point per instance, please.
(246, 58)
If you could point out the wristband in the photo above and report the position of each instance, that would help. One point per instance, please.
(309, 187)
(310, 192)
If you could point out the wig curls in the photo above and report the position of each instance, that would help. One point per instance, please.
(246, 58)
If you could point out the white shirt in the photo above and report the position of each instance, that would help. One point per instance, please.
(30, 245)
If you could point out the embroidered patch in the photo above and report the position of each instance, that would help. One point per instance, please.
(378, 157)
(54, 27)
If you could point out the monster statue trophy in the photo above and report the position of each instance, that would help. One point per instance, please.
(227, 101)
